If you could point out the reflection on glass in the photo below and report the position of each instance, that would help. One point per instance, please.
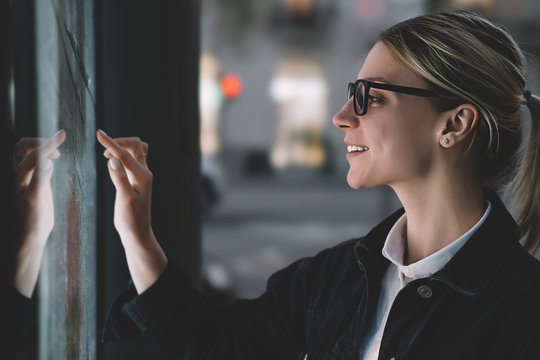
(33, 173)
(34, 168)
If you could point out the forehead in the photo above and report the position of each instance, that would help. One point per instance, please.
(381, 65)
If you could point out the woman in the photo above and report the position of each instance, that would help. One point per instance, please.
(435, 113)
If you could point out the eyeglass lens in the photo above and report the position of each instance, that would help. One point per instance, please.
(357, 91)
(360, 97)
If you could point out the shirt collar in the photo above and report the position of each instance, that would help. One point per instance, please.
(394, 250)
(473, 266)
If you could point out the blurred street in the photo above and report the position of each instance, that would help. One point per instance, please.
(263, 225)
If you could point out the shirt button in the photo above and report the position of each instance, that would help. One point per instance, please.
(424, 291)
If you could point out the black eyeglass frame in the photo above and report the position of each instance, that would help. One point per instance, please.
(352, 92)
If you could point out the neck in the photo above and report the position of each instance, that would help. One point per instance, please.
(438, 213)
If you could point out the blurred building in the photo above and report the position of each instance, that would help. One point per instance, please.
(300, 92)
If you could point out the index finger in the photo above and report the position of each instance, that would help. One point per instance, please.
(46, 147)
(52, 143)
(25, 169)
(118, 151)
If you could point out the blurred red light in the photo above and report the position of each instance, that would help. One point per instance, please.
(231, 85)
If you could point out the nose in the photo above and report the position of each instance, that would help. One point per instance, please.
(345, 118)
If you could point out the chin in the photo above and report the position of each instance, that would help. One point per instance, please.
(360, 182)
(355, 183)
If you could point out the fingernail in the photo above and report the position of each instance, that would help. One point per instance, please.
(115, 163)
(103, 132)
(44, 164)
(105, 153)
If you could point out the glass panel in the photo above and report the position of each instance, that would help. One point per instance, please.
(65, 100)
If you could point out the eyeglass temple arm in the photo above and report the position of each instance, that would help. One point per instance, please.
(403, 89)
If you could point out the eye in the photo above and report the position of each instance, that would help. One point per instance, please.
(374, 99)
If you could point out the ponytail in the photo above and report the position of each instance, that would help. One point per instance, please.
(524, 188)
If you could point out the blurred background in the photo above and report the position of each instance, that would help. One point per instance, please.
(273, 167)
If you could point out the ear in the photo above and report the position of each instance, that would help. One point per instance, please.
(460, 122)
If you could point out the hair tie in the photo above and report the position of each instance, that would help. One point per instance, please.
(527, 95)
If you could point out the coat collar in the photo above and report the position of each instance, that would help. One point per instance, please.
(473, 266)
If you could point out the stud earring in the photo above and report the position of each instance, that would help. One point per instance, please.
(445, 141)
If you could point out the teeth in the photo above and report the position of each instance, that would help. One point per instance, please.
(354, 148)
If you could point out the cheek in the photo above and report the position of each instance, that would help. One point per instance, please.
(401, 149)
(406, 147)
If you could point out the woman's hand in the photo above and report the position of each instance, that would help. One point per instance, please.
(132, 208)
(133, 182)
(35, 205)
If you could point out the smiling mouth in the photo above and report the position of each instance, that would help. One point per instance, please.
(354, 148)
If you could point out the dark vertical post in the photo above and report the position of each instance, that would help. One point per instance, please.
(24, 68)
(148, 87)
(8, 219)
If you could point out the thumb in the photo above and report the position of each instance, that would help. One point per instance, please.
(119, 176)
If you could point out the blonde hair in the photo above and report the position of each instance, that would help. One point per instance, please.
(468, 59)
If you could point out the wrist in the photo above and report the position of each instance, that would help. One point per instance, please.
(27, 264)
(138, 240)
(31, 244)
(146, 260)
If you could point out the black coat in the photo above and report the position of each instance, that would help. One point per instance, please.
(484, 304)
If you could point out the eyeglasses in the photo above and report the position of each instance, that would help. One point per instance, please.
(360, 91)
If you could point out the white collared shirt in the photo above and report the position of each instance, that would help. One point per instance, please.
(398, 275)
